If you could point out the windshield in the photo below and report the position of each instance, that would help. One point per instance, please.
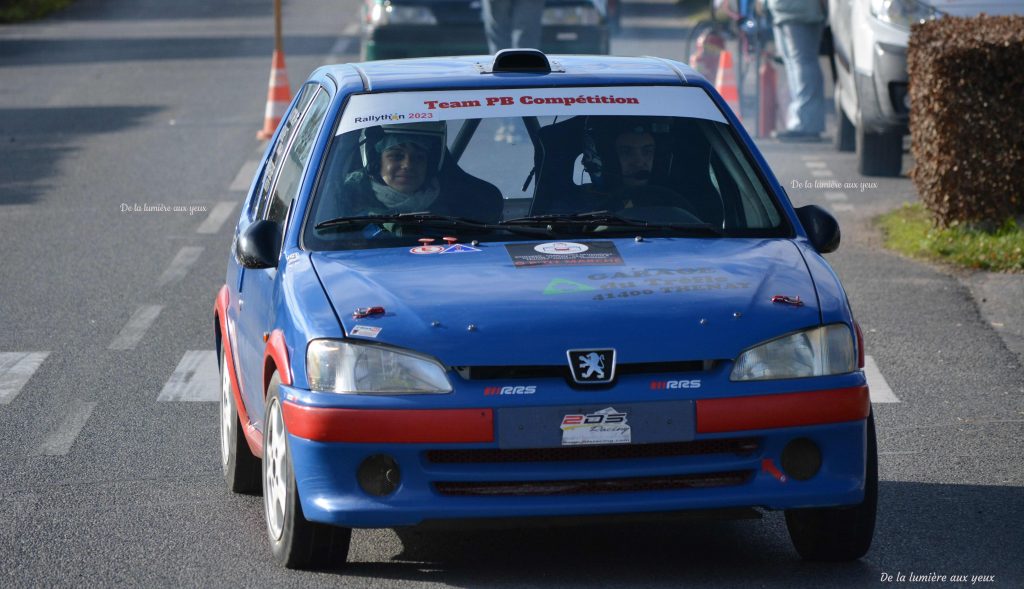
(505, 165)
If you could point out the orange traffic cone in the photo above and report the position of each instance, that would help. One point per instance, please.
(725, 82)
(278, 97)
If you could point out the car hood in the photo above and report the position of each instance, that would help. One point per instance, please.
(669, 300)
(975, 7)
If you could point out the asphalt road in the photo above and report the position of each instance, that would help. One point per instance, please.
(110, 478)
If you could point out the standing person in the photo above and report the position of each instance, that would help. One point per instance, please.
(798, 26)
(512, 23)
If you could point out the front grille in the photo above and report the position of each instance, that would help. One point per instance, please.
(607, 452)
(562, 370)
(594, 486)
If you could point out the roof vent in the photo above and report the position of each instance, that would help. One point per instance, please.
(521, 60)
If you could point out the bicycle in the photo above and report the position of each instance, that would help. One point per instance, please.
(748, 25)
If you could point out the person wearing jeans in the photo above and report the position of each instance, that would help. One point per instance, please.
(798, 26)
(512, 23)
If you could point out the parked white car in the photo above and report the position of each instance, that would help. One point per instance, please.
(870, 40)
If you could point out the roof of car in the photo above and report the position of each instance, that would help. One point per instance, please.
(474, 71)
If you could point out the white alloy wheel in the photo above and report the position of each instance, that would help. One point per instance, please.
(275, 471)
(227, 415)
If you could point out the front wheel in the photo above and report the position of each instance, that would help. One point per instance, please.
(845, 139)
(879, 154)
(296, 542)
(240, 468)
(839, 533)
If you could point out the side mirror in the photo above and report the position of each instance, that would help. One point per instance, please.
(259, 245)
(821, 227)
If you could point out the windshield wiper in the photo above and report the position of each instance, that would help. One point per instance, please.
(425, 218)
(607, 218)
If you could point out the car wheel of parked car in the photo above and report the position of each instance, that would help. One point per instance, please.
(845, 139)
(241, 469)
(295, 541)
(839, 533)
(879, 154)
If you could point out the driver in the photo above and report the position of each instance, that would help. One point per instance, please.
(624, 153)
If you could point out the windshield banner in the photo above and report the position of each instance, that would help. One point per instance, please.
(367, 110)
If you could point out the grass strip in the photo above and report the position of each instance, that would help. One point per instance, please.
(12, 11)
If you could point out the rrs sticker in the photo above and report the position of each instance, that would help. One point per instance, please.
(520, 390)
(674, 384)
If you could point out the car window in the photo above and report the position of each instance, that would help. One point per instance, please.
(658, 155)
(297, 156)
(284, 138)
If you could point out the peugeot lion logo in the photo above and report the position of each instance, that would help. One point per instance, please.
(592, 366)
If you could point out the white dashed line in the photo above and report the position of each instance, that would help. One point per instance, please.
(16, 368)
(815, 164)
(195, 379)
(60, 441)
(216, 218)
(243, 179)
(835, 196)
(180, 265)
(842, 208)
(880, 391)
(131, 334)
(821, 173)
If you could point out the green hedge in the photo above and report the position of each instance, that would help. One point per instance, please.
(22, 10)
(967, 118)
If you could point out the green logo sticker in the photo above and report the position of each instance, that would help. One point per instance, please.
(562, 286)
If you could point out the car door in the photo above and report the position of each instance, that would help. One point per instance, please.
(258, 289)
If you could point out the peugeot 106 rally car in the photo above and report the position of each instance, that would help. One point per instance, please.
(620, 314)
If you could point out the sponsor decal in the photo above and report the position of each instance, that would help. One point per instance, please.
(388, 118)
(560, 248)
(562, 286)
(660, 385)
(559, 253)
(365, 331)
(458, 248)
(427, 249)
(516, 390)
(606, 426)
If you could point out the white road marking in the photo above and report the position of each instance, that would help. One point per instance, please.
(835, 196)
(63, 438)
(195, 379)
(880, 391)
(180, 265)
(815, 164)
(821, 173)
(131, 334)
(842, 208)
(216, 218)
(16, 368)
(243, 179)
(350, 30)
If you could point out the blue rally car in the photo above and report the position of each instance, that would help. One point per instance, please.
(613, 310)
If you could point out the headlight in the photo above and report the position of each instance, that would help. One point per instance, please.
(389, 14)
(340, 367)
(815, 352)
(902, 13)
(577, 15)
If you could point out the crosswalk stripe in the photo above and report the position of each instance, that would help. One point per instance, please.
(842, 207)
(821, 173)
(243, 179)
(218, 214)
(16, 368)
(835, 196)
(195, 379)
(63, 438)
(815, 164)
(880, 391)
(133, 331)
(180, 265)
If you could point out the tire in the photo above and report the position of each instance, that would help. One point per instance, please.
(879, 154)
(845, 139)
(295, 542)
(240, 468)
(839, 533)
(691, 39)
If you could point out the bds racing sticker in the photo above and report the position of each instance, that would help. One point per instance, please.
(606, 426)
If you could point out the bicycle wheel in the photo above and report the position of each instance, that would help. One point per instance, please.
(691, 39)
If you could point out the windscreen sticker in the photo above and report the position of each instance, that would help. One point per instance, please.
(367, 110)
(606, 426)
(564, 253)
